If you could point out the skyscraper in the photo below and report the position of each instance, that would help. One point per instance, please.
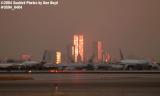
(58, 57)
(99, 51)
(78, 48)
(99, 54)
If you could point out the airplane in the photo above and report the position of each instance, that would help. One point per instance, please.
(136, 64)
(23, 65)
(83, 66)
(79, 66)
(28, 65)
(6, 65)
(65, 66)
(109, 67)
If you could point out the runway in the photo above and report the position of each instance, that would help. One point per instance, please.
(82, 85)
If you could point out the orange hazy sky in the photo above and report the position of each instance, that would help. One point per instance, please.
(132, 25)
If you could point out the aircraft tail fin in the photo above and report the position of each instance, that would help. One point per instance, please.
(121, 54)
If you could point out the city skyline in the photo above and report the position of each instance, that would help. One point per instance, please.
(132, 25)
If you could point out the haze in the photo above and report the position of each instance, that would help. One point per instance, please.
(132, 25)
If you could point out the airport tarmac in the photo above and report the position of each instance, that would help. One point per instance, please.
(82, 85)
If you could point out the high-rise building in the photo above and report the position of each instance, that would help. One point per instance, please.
(78, 48)
(99, 51)
(58, 57)
(99, 54)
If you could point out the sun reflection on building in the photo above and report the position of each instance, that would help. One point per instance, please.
(78, 48)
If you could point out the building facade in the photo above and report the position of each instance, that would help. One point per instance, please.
(78, 48)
